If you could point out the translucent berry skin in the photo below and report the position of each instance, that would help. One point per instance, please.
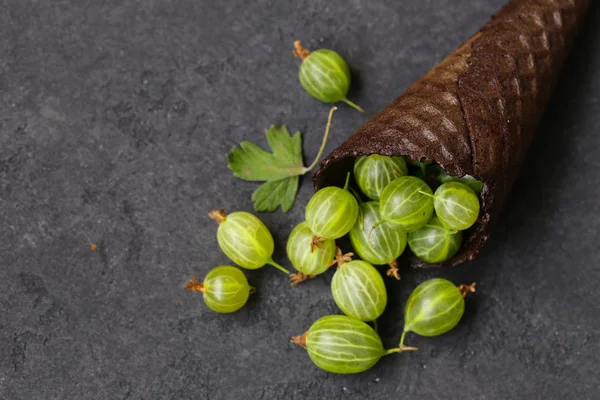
(343, 345)
(377, 246)
(325, 76)
(359, 291)
(226, 289)
(298, 251)
(331, 212)
(245, 240)
(373, 173)
(406, 203)
(434, 307)
(456, 205)
(434, 243)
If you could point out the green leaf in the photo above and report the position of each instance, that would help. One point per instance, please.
(273, 194)
(252, 163)
(280, 169)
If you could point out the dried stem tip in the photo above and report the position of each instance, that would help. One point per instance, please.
(300, 340)
(299, 277)
(393, 271)
(217, 215)
(195, 285)
(341, 258)
(316, 242)
(300, 51)
(406, 348)
(465, 289)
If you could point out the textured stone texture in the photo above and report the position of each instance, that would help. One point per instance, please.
(115, 118)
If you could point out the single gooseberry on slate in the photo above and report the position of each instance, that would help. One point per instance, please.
(344, 345)
(225, 289)
(245, 239)
(435, 307)
(324, 75)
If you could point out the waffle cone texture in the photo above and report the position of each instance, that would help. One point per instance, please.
(477, 111)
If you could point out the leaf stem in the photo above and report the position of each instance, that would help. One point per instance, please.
(354, 105)
(327, 128)
(279, 267)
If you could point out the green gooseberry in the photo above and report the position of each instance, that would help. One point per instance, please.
(331, 212)
(225, 289)
(245, 239)
(456, 205)
(406, 204)
(435, 307)
(308, 259)
(343, 345)
(434, 243)
(379, 246)
(324, 75)
(373, 173)
(358, 290)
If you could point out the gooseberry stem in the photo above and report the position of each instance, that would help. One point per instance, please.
(324, 141)
(346, 185)
(354, 105)
(375, 227)
(279, 267)
(252, 289)
(427, 194)
(375, 325)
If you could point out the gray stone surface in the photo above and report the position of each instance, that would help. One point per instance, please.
(115, 118)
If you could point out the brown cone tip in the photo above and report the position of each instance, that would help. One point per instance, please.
(477, 111)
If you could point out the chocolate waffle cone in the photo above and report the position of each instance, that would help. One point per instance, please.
(477, 111)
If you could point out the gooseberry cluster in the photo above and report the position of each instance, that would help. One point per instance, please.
(403, 203)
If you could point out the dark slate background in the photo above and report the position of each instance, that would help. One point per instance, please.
(115, 119)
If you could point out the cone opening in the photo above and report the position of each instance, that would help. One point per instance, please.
(333, 171)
